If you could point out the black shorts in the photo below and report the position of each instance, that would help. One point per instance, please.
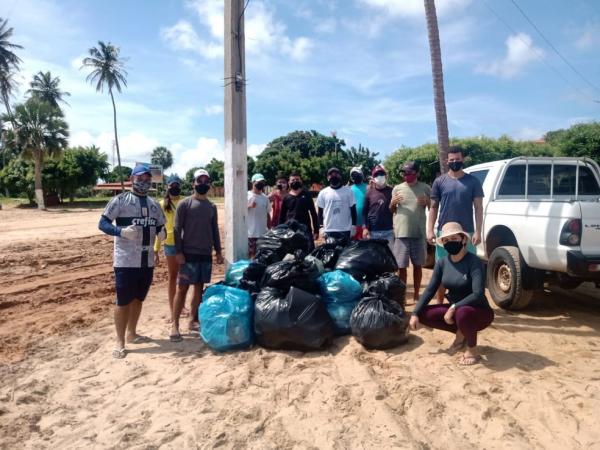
(132, 283)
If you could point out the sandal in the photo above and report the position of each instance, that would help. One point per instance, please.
(175, 337)
(119, 353)
(469, 360)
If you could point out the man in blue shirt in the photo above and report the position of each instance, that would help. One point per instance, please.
(359, 189)
(139, 221)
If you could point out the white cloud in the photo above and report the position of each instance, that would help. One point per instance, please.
(529, 134)
(520, 52)
(414, 8)
(589, 37)
(213, 110)
(255, 149)
(182, 36)
(298, 49)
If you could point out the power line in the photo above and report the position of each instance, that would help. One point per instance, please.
(573, 68)
(539, 55)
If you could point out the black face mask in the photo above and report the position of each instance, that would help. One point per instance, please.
(335, 182)
(357, 178)
(296, 185)
(174, 191)
(260, 186)
(202, 188)
(456, 165)
(453, 247)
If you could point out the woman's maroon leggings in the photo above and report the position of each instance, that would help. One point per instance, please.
(468, 319)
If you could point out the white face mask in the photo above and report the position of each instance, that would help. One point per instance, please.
(380, 180)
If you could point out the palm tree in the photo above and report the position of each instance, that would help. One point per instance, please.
(46, 88)
(40, 130)
(9, 64)
(437, 71)
(107, 70)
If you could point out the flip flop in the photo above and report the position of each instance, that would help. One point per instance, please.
(119, 353)
(175, 338)
(141, 340)
(469, 360)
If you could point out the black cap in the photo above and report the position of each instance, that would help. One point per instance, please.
(410, 166)
(333, 169)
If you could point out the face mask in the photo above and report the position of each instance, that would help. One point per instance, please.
(260, 186)
(142, 186)
(453, 247)
(456, 165)
(201, 188)
(335, 182)
(410, 178)
(380, 180)
(296, 185)
(174, 191)
(357, 178)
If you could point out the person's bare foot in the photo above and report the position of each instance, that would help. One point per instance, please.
(185, 312)
(138, 339)
(193, 326)
(469, 357)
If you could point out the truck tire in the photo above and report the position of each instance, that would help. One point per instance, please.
(505, 279)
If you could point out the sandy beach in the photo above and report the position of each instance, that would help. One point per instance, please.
(538, 385)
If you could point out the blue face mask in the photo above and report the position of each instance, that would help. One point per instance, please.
(142, 187)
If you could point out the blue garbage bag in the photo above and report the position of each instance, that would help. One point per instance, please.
(235, 272)
(341, 293)
(226, 318)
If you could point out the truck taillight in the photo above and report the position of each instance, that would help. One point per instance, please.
(571, 232)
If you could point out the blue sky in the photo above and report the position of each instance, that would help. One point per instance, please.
(359, 67)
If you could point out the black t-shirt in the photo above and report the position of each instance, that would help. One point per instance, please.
(301, 208)
(378, 216)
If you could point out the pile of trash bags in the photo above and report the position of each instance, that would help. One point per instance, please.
(290, 299)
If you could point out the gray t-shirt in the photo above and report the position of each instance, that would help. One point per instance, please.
(143, 212)
(455, 196)
(196, 228)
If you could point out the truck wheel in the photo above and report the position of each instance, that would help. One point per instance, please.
(505, 279)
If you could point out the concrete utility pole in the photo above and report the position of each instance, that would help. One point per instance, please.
(236, 164)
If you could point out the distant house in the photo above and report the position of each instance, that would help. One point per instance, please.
(115, 188)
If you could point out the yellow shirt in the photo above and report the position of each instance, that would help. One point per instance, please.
(169, 224)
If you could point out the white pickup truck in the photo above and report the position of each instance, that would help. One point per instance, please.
(541, 223)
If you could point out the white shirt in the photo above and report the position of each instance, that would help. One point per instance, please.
(257, 216)
(336, 204)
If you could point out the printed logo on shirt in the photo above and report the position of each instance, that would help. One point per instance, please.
(336, 207)
(144, 221)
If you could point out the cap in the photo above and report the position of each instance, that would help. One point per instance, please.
(449, 229)
(378, 168)
(258, 177)
(410, 166)
(174, 179)
(333, 169)
(201, 172)
(140, 169)
(357, 169)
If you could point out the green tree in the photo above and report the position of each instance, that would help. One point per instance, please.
(82, 167)
(45, 87)
(17, 178)
(361, 156)
(9, 65)
(162, 156)
(107, 71)
(582, 139)
(40, 131)
(216, 169)
(117, 174)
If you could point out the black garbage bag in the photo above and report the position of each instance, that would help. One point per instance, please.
(296, 321)
(251, 276)
(365, 260)
(281, 240)
(387, 285)
(303, 274)
(328, 253)
(379, 323)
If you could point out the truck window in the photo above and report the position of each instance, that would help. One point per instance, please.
(514, 181)
(480, 175)
(564, 180)
(539, 179)
(588, 185)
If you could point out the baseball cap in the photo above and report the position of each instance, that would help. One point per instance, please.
(140, 169)
(258, 177)
(333, 169)
(378, 168)
(357, 169)
(201, 172)
(173, 179)
(410, 166)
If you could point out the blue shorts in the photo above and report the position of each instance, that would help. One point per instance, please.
(194, 273)
(132, 283)
(170, 250)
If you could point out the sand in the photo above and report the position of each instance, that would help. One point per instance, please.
(538, 386)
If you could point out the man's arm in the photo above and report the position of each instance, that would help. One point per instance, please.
(433, 215)
(353, 214)
(478, 206)
(215, 232)
(105, 225)
(320, 217)
(365, 211)
(180, 214)
(313, 215)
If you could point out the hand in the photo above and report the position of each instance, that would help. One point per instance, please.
(130, 233)
(252, 204)
(156, 259)
(397, 198)
(316, 236)
(352, 231)
(162, 234)
(431, 237)
(322, 231)
(422, 200)
(476, 238)
(180, 258)
(366, 234)
(220, 259)
(449, 316)
(414, 323)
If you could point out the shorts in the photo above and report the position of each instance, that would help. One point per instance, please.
(132, 283)
(170, 250)
(440, 252)
(252, 246)
(194, 273)
(413, 249)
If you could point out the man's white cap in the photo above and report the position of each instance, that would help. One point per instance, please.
(200, 172)
(357, 169)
